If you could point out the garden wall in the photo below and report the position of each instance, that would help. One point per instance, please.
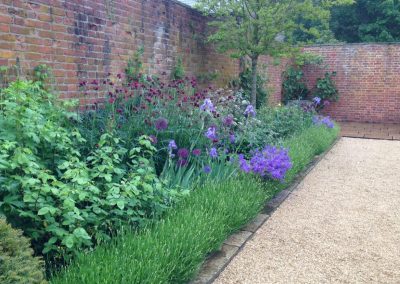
(87, 39)
(368, 80)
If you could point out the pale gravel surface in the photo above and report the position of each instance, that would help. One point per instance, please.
(342, 225)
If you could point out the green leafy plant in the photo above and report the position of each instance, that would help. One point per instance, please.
(42, 74)
(64, 202)
(134, 66)
(326, 89)
(294, 86)
(17, 264)
(275, 124)
(207, 77)
(178, 72)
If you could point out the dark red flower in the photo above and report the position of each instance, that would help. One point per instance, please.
(196, 152)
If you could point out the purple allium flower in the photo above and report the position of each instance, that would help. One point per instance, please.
(161, 124)
(317, 100)
(196, 152)
(211, 133)
(250, 111)
(232, 138)
(228, 120)
(207, 106)
(153, 139)
(183, 153)
(207, 169)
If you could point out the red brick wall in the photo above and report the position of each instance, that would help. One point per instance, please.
(368, 80)
(85, 39)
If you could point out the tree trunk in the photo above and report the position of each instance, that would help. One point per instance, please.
(254, 61)
(242, 64)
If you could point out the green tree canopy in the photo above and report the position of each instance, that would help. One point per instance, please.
(367, 21)
(250, 28)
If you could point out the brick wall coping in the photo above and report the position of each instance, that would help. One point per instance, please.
(352, 44)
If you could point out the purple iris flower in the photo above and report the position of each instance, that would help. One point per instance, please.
(172, 145)
(211, 133)
(207, 106)
(317, 100)
(250, 111)
(213, 153)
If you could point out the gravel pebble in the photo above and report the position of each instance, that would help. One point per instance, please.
(342, 224)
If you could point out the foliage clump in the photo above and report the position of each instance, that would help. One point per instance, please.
(63, 201)
(17, 264)
(367, 21)
(294, 86)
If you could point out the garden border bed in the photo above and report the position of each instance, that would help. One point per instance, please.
(219, 260)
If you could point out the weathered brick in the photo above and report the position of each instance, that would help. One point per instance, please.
(6, 54)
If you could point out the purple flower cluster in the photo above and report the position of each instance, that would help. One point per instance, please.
(271, 162)
(323, 120)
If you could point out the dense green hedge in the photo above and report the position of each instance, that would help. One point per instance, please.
(173, 249)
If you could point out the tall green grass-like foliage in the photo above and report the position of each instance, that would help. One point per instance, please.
(172, 250)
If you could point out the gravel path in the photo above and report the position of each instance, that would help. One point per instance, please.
(342, 225)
